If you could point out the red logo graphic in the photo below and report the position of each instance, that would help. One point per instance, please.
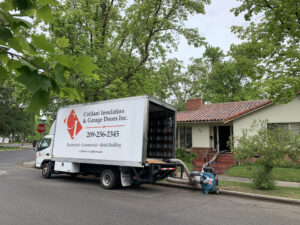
(73, 124)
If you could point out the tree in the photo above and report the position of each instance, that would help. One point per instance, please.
(230, 77)
(271, 146)
(215, 77)
(276, 37)
(178, 85)
(14, 120)
(30, 59)
(128, 41)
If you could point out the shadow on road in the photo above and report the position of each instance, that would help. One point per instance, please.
(93, 180)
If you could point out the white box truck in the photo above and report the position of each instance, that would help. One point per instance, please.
(124, 141)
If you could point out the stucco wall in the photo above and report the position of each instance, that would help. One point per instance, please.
(280, 113)
(200, 136)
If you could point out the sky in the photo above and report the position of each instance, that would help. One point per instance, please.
(214, 26)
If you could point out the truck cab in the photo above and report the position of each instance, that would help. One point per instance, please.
(43, 153)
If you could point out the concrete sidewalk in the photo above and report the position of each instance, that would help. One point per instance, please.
(246, 180)
(17, 145)
(235, 193)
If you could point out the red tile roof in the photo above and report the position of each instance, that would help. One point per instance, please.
(221, 111)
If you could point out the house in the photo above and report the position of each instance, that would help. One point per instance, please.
(206, 128)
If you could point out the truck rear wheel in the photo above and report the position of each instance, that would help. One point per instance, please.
(46, 170)
(109, 179)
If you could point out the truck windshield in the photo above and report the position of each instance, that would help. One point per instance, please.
(45, 143)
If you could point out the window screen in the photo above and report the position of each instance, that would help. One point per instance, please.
(185, 134)
(293, 127)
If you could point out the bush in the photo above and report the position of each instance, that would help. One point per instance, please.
(262, 178)
(287, 163)
(186, 157)
(270, 147)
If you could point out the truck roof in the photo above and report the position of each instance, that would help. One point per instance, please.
(154, 100)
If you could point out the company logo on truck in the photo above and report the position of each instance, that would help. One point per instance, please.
(73, 124)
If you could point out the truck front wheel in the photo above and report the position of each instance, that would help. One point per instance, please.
(46, 170)
(109, 179)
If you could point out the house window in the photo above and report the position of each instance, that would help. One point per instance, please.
(293, 127)
(185, 137)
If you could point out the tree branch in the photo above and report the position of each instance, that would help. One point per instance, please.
(268, 4)
(104, 25)
(20, 57)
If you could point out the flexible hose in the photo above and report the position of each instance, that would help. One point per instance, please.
(190, 180)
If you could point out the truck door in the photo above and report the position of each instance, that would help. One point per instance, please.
(44, 151)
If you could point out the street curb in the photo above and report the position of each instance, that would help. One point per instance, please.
(14, 150)
(28, 164)
(239, 194)
(261, 197)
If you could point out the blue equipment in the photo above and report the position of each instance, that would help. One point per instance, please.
(208, 180)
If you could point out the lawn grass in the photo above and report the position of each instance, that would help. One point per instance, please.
(284, 174)
(4, 148)
(287, 192)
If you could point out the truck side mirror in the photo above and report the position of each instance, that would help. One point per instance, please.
(34, 143)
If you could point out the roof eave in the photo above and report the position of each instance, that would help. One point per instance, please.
(201, 121)
(234, 117)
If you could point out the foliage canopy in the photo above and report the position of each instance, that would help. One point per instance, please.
(274, 32)
(128, 41)
(30, 59)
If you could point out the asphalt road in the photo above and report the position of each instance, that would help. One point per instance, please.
(28, 199)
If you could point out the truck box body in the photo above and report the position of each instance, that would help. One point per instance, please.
(123, 133)
(110, 133)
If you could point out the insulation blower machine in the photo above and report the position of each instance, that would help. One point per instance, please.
(208, 179)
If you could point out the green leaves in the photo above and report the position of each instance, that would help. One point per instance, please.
(33, 81)
(86, 66)
(39, 85)
(71, 93)
(45, 2)
(42, 43)
(125, 41)
(34, 64)
(45, 14)
(5, 34)
(17, 22)
(3, 73)
(64, 60)
(59, 74)
(23, 4)
(276, 38)
(39, 99)
(62, 42)
(13, 64)
(269, 144)
(15, 44)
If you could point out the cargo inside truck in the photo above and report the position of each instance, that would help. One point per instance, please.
(161, 132)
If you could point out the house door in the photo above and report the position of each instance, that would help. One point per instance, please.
(224, 135)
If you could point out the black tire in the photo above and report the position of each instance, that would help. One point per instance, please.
(109, 179)
(136, 184)
(46, 170)
(73, 175)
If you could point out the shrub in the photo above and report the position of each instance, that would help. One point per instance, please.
(186, 157)
(270, 146)
(262, 177)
